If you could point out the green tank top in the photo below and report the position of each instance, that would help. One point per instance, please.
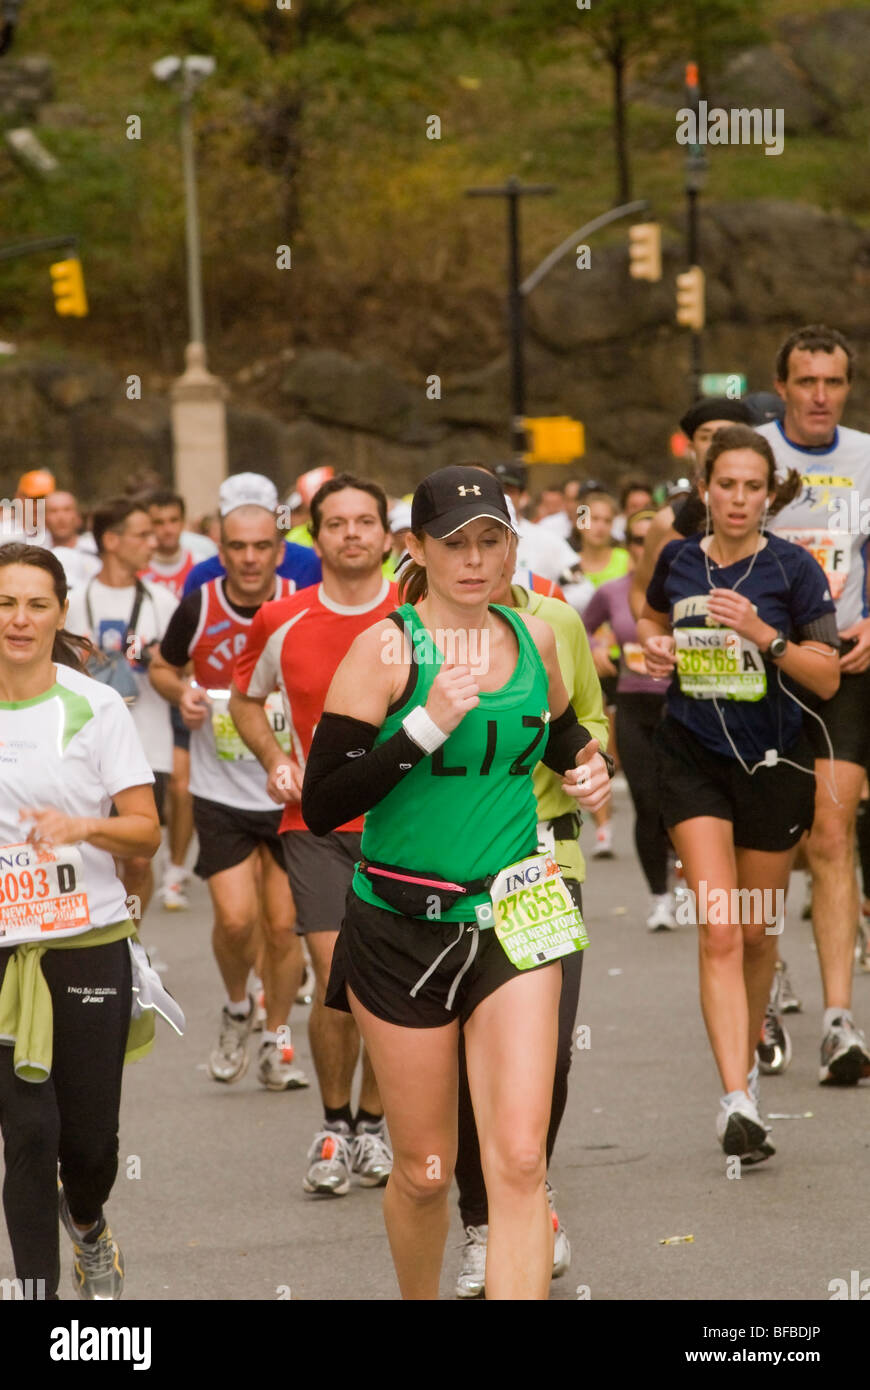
(615, 568)
(467, 810)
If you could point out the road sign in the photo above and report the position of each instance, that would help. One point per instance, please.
(729, 384)
(554, 439)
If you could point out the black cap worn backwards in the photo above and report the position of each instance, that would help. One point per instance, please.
(451, 497)
(715, 408)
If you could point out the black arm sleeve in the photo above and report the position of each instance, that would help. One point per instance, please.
(175, 647)
(567, 737)
(345, 775)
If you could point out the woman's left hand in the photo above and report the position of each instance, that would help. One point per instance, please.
(735, 611)
(50, 827)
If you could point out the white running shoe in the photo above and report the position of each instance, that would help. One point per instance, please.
(845, 1059)
(470, 1281)
(661, 913)
(330, 1162)
(561, 1243)
(604, 841)
(371, 1154)
(741, 1131)
(229, 1060)
(275, 1068)
(173, 897)
(98, 1264)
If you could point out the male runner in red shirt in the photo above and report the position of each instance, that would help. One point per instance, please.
(296, 645)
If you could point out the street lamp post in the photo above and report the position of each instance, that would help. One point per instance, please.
(513, 190)
(199, 430)
(696, 175)
(186, 75)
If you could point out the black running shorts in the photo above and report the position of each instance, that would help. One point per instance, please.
(320, 869)
(382, 956)
(769, 810)
(847, 719)
(180, 731)
(227, 835)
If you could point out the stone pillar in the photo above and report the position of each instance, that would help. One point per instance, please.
(199, 433)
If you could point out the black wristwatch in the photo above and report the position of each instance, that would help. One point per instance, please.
(776, 647)
(608, 763)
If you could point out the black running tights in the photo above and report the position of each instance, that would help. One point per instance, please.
(637, 717)
(71, 1117)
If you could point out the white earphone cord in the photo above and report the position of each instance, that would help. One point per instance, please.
(832, 784)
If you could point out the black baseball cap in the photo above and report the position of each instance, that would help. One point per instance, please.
(451, 497)
(715, 408)
(511, 473)
(764, 406)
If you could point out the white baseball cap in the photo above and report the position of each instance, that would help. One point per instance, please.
(247, 490)
(400, 516)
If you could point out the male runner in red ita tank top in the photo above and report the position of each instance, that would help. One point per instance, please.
(298, 644)
(235, 818)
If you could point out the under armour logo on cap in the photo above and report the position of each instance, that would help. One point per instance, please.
(452, 497)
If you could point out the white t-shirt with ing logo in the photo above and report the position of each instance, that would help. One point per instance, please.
(72, 748)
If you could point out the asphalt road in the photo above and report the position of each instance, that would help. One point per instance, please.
(218, 1210)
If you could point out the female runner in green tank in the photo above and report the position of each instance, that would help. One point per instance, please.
(433, 725)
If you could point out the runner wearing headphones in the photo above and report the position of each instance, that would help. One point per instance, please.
(453, 917)
(70, 753)
(735, 611)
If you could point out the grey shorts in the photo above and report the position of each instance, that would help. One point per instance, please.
(320, 868)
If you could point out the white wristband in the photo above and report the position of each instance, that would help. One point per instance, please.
(422, 730)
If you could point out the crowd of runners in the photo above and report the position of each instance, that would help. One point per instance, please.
(371, 724)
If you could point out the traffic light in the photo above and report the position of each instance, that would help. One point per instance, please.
(554, 439)
(68, 284)
(645, 251)
(690, 298)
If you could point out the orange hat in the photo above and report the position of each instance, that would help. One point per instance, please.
(309, 482)
(37, 483)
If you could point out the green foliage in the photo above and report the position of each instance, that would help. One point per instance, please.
(313, 130)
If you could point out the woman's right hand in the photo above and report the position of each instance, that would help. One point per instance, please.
(454, 692)
(661, 656)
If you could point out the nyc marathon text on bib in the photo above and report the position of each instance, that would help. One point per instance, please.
(716, 663)
(42, 893)
(533, 913)
(229, 742)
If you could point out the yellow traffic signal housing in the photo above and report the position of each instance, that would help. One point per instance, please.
(554, 439)
(645, 251)
(690, 298)
(68, 284)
